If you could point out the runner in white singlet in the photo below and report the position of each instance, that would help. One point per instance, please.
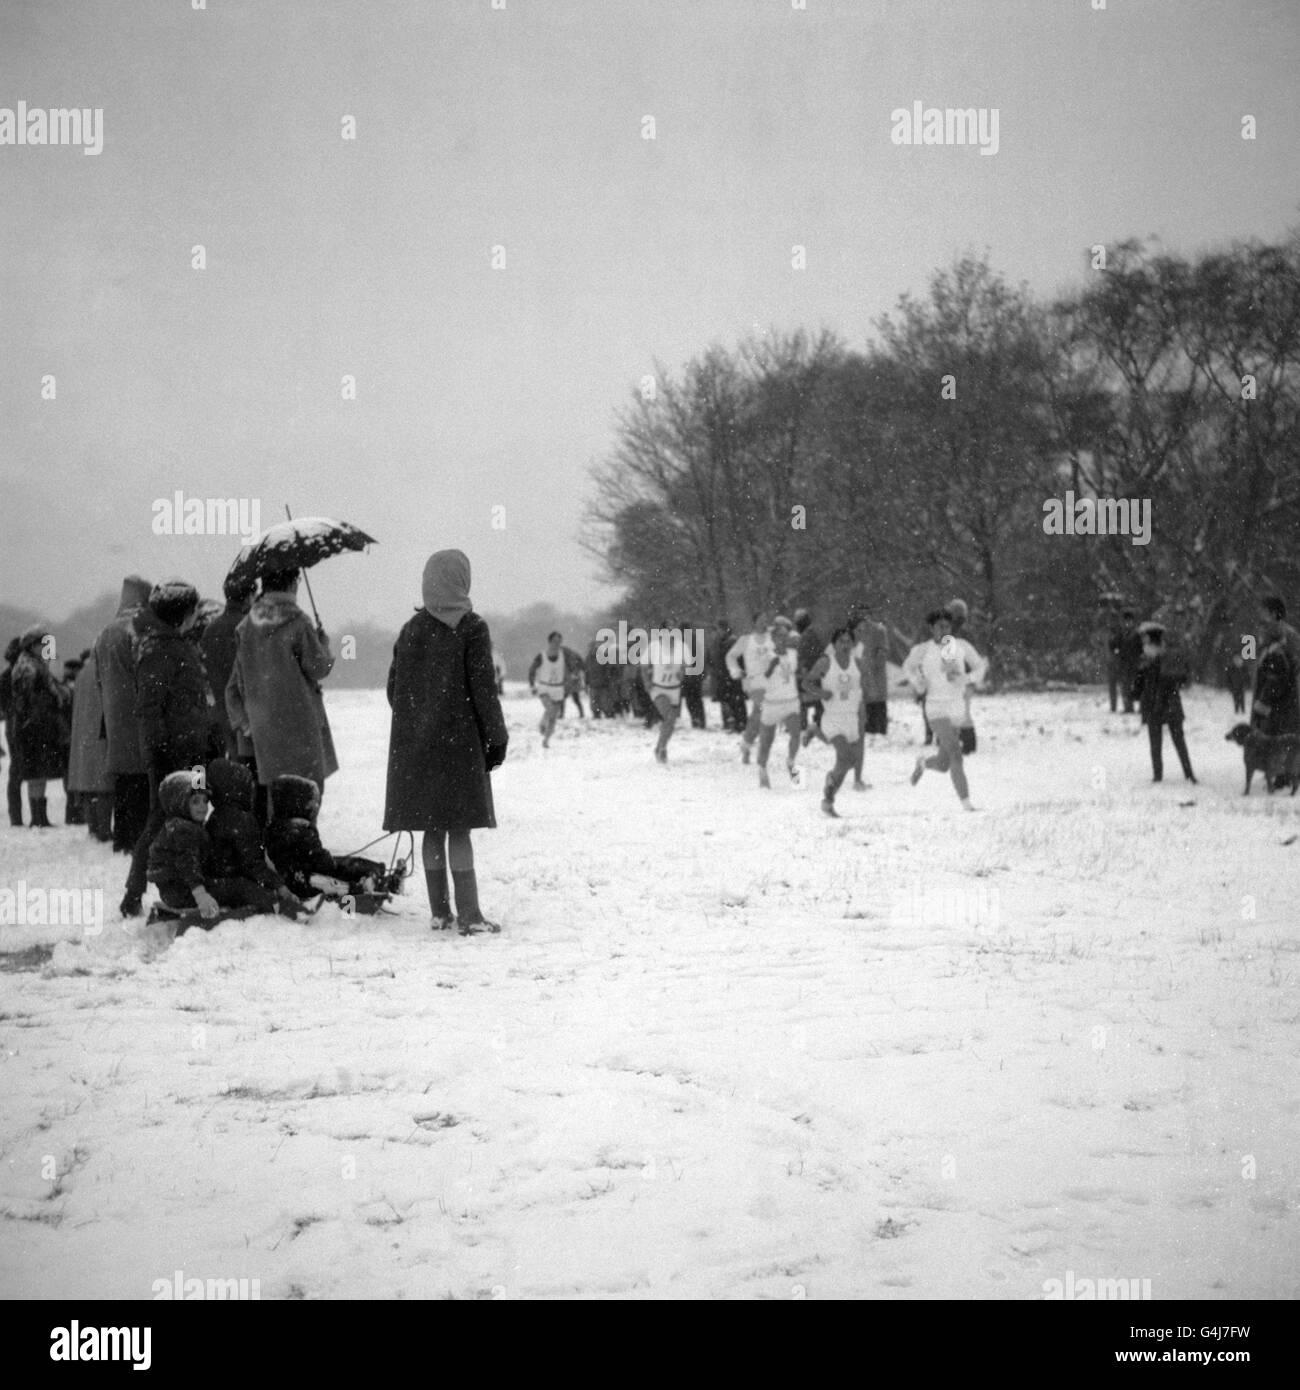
(780, 707)
(746, 662)
(837, 679)
(546, 677)
(662, 676)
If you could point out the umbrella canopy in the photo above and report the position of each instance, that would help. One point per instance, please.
(296, 545)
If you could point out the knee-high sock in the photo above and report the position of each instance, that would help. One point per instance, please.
(434, 854)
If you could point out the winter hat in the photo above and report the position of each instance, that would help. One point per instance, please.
(135, 593)
(238, 588)
(231, 785)
(958, 610)
(445, 586)
(31, 637)
(294, 798)
(175, 790)
(782, 621)
(173, 601)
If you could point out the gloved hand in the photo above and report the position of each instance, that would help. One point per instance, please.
(289, 904)
(207, 904)
(494, 755)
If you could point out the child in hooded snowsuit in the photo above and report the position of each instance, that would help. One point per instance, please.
(236, 834)
(181, 861)
(295, 848)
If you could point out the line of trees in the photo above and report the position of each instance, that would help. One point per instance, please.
(793, 469)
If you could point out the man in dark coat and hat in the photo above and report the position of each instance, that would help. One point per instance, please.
(448, 735)
(1124, 653)
(115, 671)
(1164, 669)
(174, 707)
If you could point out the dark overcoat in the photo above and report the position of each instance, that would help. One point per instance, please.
(115, 671)
(88, 763)
(36, 720)
(447, 725)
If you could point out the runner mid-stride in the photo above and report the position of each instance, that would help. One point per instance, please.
(662, 676)
(938, 669)
(546, 677)
(837, 677)
(780, 707)
(746, 661)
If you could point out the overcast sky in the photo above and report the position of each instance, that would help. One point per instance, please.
(522, 127)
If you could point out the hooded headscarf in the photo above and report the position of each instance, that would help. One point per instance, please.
(445, 588)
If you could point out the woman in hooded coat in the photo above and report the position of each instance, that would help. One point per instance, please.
(273, 695)
(37, 722)
(448, 734)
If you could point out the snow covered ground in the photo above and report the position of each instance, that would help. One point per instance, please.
(724, 1047)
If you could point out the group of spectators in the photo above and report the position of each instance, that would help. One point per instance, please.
(170, 684)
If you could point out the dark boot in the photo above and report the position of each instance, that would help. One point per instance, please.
(99, 816)
(40, 821)
(468, 914)
(75, 813)
(439, 901)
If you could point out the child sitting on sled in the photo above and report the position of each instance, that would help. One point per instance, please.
(236, 835)
(181, 862)
(294, 846)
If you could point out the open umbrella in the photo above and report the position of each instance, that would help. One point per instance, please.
(296, 544)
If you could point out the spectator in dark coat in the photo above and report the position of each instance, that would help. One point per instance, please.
(273, 695)
(15, 780)
(1276, 705)
(1124, 653)
(88, 774)
(693, 678)
(294, 845)
(173, 705)
(575, 678)
(237, 836)
(727, 690)
(1155, 687)
(37, 721)
(602, 682)
(448, 734)
(219, 642)
(809, 651)
(115, 669)
(75, 813)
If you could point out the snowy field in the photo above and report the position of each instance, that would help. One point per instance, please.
(724, 1047)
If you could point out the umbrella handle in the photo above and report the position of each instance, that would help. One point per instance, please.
(307, 581)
